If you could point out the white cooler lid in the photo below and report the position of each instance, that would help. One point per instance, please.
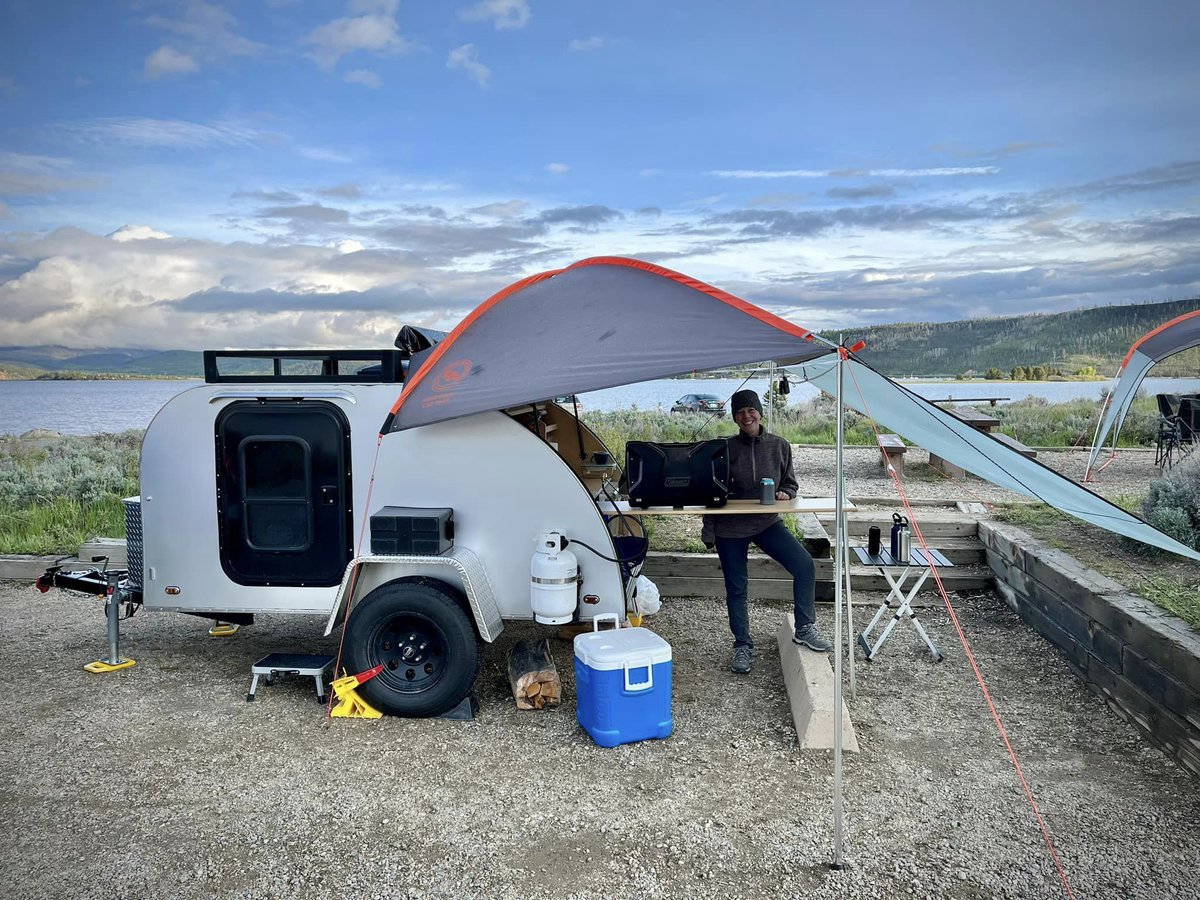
(616, 648)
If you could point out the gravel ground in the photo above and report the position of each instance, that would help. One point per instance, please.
(161, 781)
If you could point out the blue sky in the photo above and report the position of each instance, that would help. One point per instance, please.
(194, 173)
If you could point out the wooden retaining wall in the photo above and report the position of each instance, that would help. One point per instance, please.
(1142, 660)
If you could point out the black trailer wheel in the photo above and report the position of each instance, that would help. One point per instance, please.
(419, 630)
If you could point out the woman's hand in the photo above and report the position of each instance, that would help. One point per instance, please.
(782, 495)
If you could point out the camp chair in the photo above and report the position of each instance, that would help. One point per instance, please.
(1170, 430)
(1189, 424)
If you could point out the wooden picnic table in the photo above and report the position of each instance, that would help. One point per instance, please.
(973, 417)
(992, 400)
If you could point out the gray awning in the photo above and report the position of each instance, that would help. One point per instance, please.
(1181, 333)
(597, 324)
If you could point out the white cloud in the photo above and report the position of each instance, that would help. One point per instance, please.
(323, 154)
(507, 210)
(207, 32)
(169, 61)
(557, 168)
(504, 14)
(348, 246)
(162, 132)
(375, 31)
(22, 173)
(851, 173)
(584, 45)
(137, 233)
(364, 77)
(466, 58)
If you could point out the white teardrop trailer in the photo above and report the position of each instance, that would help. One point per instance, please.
(253, 494)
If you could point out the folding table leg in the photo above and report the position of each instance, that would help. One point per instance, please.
(902, 610)
(895, 589)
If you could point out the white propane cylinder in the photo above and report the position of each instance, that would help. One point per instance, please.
(554, 574)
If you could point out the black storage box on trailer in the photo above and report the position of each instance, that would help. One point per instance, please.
(412, 531)
(686, 474)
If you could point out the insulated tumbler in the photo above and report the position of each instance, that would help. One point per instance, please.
(768, 492)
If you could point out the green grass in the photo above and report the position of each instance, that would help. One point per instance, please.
(56, 494)
(60, 525)
(1177, 595)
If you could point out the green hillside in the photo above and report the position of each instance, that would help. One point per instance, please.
(1067, 341)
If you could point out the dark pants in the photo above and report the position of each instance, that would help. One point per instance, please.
(781, 545)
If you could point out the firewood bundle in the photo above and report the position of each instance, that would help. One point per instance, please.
(533, 676)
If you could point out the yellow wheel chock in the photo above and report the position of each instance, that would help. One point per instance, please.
(350, 705)
(223, 629)
(99, 667)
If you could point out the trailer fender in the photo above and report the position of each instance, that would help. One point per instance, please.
(458, 566)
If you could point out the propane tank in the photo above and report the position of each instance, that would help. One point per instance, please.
(554, 576)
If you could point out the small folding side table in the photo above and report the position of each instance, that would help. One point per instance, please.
(309, 665)
(889, 567)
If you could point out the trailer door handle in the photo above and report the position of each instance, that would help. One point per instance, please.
(329, 495)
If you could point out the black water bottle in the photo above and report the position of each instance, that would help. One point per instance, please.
(873, 541)
(899, 523)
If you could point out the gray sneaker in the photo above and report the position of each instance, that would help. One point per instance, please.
(741, 660)
(808, 636)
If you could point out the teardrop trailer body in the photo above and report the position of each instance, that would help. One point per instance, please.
(253, 489)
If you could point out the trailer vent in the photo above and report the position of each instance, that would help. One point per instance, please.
(404, 530)
(133, 539)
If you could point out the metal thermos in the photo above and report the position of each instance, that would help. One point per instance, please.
(905, 546)
(768, 492)
(873, 540)
(901, 542)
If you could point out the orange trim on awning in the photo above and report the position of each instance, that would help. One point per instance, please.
(1145, 337)
(716, 293)
(462, 326)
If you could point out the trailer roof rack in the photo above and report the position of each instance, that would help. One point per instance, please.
(304, 366)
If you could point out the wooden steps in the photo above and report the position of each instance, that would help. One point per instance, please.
(699, 574)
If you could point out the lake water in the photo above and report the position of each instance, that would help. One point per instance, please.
(95, 407)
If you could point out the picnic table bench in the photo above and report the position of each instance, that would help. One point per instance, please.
(1015, 444)
(891, 450)
(980, 421)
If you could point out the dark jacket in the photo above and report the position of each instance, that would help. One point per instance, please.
(751, 459)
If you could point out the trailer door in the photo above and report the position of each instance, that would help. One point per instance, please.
(283, 492)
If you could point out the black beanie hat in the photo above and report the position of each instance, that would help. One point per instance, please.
(742, 399)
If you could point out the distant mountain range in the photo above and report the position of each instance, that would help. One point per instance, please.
(1068, 341)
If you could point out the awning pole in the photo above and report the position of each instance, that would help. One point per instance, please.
(839, 538)
(849, 606)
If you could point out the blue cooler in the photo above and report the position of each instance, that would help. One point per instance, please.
(623, 684)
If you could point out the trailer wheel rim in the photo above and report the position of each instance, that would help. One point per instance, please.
(412, 650)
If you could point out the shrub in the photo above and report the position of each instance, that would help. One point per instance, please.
(1172, 504)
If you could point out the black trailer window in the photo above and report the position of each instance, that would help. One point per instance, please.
(278, 505)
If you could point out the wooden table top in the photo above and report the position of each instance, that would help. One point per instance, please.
(732, 508)
(974, 417)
